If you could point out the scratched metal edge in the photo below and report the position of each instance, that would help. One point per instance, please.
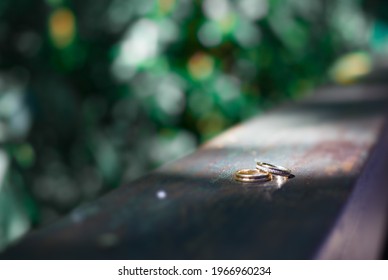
(360, 231)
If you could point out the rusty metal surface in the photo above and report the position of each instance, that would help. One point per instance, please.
(193, 209)
(361, 229)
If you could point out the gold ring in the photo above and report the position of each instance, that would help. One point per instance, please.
(272, 169)
(251, 176)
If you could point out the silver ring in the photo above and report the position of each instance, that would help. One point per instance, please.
(273, 169)
(251, 176)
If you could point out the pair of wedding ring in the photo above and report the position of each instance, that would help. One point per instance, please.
(262, 173)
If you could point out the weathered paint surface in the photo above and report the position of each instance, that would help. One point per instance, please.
(193, 209)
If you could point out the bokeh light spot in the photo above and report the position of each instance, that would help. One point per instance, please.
(25, 155)
(210, 34)
(171, 144)
(62, 27)
(200, 103)
(253, 9)
(228, 23)
(216, 9)
(166, 6)
(247, 34)
(170, 97)
(211, 124)
(227, 87)
(140, 44)
(351, 67)
(201, 66)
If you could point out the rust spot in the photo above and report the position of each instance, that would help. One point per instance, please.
(348, 166)
(340, 156)
(331, 170)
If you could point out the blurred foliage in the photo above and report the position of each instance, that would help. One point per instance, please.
(96, 93)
